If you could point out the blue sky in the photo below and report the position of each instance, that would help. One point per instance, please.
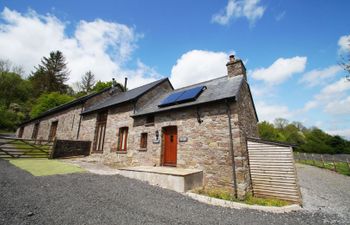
(290, 48)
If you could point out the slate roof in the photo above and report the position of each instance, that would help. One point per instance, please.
(67, 105)
(124, 97)
(217, 89)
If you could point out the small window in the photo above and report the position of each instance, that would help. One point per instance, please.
(123, 138)
(143, 143)
(150, 120)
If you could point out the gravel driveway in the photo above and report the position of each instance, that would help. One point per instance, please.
(324, 190)
(100, 199)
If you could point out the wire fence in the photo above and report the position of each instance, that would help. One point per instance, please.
(339, 163)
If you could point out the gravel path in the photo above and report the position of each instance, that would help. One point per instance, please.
(99, 199)
(324, 190)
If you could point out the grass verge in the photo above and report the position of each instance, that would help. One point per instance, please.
(250, 200)
(341, 167)
(45, 167)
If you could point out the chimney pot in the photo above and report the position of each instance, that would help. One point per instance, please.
(125, 83)
(235, 67)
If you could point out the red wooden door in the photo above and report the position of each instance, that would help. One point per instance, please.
(170, 146)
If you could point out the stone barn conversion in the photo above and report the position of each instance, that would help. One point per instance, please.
(205, 126)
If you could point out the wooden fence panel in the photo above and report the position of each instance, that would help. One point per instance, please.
(273, 171)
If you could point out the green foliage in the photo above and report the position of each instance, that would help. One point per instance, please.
(99, 86)
(49, 101)
(267, 131)
(13, 89)
(9, 119)
(312, 140)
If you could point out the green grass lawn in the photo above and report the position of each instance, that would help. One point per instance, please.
(45, 167)
(342, 167)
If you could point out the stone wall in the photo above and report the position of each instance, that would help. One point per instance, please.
(245, 125)
(206, 148)
(68, 122)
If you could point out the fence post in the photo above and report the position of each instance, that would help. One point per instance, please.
(313, 159)
(335, 167)
(322, 161)
(347, 162)
(53, 149)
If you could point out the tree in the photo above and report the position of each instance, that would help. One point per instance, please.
(13, 89)
(49, 101)
(280, 123)
(87, 82)
(267, 131)
(51, 74)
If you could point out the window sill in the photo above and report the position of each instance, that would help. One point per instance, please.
(142, 149)
(120, 152)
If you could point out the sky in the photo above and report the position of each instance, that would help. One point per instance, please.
(291, 49)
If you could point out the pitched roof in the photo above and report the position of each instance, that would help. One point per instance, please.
(124, 97)
(217, 89)
(67, 105)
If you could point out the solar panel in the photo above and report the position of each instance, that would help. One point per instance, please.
(190, 94)
(182, 96)
(171, 99)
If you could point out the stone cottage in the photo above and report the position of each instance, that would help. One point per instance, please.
(203, 126)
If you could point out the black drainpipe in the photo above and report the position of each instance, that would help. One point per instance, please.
(82, 108)
(231, 148)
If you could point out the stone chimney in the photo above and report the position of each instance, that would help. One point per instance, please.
(235, 67)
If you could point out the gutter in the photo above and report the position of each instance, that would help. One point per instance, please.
(78, 131)
(231, 148)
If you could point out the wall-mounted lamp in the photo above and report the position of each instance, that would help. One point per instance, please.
(157, 135)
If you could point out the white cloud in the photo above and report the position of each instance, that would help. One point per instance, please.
(280, 70)
(333, 98)
(320, 76)
(280, 16)
(309, 105)
(100, 46)
(240, 8)
(342, 106)
(341, 132)
(344, 43)
(270, 112)
(197, 65)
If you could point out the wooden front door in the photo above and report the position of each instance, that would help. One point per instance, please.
(100, 131)
(170, 146)
(53, 130)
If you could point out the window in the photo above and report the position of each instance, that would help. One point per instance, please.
(35, 131)
(150, 120)
(143, 143)
(123, 138)
(20, 132)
